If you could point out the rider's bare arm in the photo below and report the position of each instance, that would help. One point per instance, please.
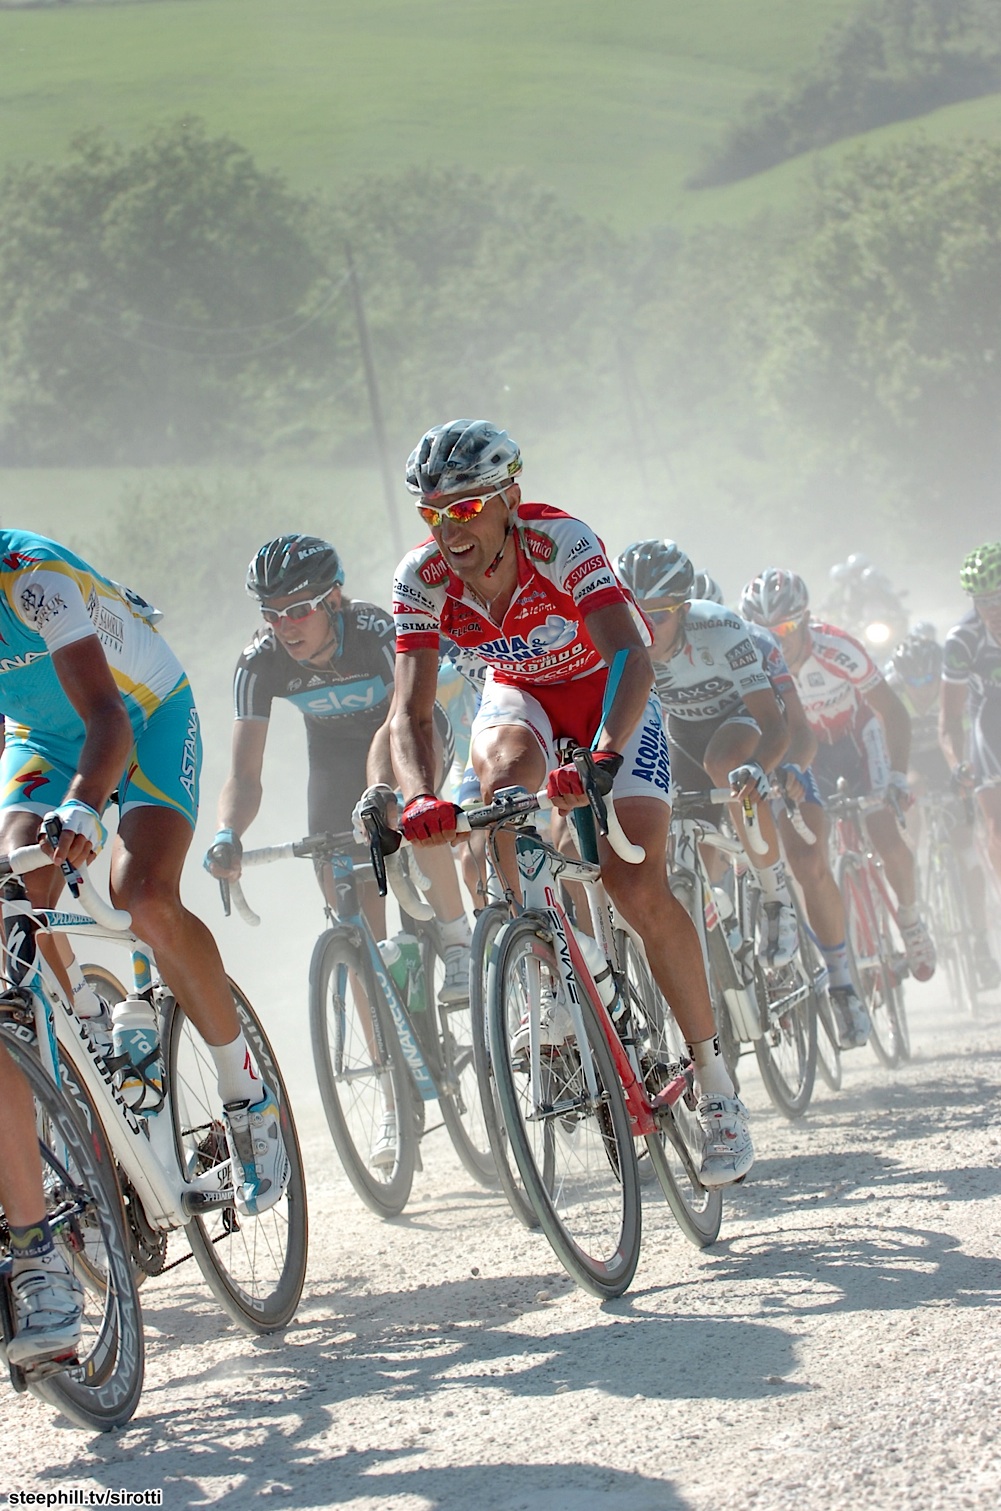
(240, 799)
(951, 736)
(763, 706)
(613, 629)
(86, 679)
(412, 723)
(896, 722)
(379, 765)
(802, 747)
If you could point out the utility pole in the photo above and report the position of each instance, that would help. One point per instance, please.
(375, 408)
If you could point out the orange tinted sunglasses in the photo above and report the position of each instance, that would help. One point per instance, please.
(461, 511)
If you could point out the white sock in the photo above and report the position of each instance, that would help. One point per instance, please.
(236, 1073)
(907, 916)
(772, 881)
(456, 932)
(85, 1000)
(711, 1075)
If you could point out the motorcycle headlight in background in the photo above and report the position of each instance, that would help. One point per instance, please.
(878, 634)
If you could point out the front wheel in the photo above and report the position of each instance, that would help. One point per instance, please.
(871, 962)
(363, 1080)
(455, 1070)
(85, 1210)
(254, 1266)
(559, 1118)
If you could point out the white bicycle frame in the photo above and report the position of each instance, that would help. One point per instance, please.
(144, 1146)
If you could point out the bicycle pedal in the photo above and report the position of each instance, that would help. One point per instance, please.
(46, 1367)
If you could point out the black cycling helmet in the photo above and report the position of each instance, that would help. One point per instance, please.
(462, 454)
(291, 563)
(774, 596)
(707, 588)
(656, 569)
(917, 660)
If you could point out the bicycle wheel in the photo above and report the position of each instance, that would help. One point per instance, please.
(461, 1108)
(828, 1049)
(786, 1051)
(254, 1266)
(949, 918)
(869, 960)
(489, 924)
(360, 1070)
(590, 1211)
(675, 1152)
(82, 1199)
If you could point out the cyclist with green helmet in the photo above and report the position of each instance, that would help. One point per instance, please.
(971, 681)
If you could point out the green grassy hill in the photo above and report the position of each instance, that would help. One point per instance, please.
(611, 105)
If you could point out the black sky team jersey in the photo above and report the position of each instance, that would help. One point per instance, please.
(348, 700)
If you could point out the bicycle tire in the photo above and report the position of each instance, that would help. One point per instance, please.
(461, 1110)
(102, 1391)
(598, 1134)
(786, 1051)
(354, 1074)
(828, 1049)
(674, 1153)
(951, 928)
(871, 975)
(254, 1266)
(489, 924)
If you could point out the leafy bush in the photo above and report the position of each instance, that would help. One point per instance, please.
(895, 59)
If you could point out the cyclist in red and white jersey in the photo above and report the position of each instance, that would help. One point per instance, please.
(863, 731)
(530, 590)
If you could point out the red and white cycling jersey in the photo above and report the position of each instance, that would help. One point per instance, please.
(833, 681)
(541, 643)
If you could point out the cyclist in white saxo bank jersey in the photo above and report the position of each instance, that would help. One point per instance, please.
(95, 700)
(972, 681)
(725, 724)
(862, 728)
(810, 863)
(530, 591)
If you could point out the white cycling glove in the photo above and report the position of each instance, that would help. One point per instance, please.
(79, 819)
(899, 784)
(378, 796)
(751, 771)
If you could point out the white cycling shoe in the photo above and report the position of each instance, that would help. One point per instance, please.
(779, 938)
(555, 1026)
(851, 1017)
(727, 1151)
(48, 1302)
(257, 1150)
(455, 987)
(383, 1156)
(921, 957)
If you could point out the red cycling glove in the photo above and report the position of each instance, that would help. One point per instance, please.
(565, 781)
(426, 816)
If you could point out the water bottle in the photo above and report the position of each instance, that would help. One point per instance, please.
(135, 1035)
(598, 966)
(402, 958)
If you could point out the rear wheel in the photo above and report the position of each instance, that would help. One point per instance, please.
(458, 1091)
(675, 1152)
(949, 919)
(84, 1207)
(254, 1266)
(590, 1209)
(364, 1083)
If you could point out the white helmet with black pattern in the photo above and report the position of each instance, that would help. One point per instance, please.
(462, 454)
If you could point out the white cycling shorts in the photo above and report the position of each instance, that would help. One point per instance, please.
(646, 765)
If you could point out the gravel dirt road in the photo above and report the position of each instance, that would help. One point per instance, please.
(840, 1345)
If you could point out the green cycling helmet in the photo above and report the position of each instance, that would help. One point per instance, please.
(980, 573)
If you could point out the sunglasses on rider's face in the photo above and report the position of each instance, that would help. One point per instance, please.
(787, 627)
(463, 510)
(658, 614)
(295, 611)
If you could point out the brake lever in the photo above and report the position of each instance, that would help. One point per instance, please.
(584, 762)
(53, 832)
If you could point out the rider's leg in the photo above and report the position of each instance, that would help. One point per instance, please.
(811, 867)
(20, 1162)
(507, 755)
(989, 799)
(896, 854)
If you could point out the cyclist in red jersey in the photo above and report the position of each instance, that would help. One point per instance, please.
(530, 590)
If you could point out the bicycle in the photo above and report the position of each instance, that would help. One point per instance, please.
(173, 1164)
(569, 1112)
(944, 898)
(773, 1009)
(876, 958)
(379, 1051)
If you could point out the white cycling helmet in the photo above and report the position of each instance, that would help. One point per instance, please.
(774, 596)
(462, 454)
(656, 569)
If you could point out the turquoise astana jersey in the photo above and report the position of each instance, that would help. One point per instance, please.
(49, 599)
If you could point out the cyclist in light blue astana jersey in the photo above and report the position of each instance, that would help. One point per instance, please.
(94, 700)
